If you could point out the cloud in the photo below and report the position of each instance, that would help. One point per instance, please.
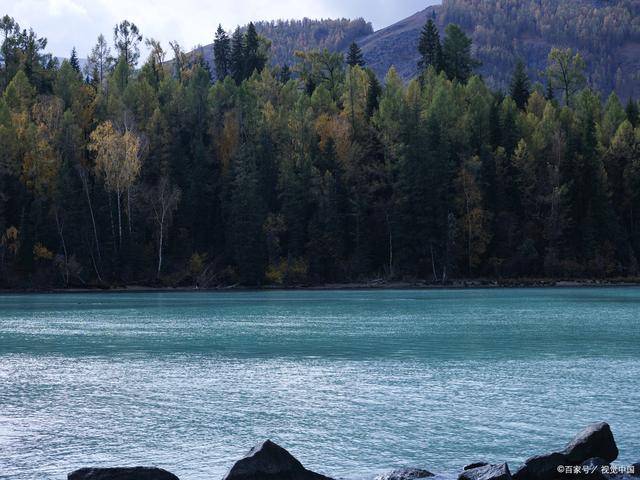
(69, 23)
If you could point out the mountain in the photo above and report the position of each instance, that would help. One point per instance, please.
(605, 32)
(289, 36)
(396, 45)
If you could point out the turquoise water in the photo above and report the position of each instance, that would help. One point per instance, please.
(352, 382)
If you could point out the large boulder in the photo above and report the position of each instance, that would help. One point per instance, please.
(487, 472)
(591, 469)
(541, 467)
(122, 473)
(594, 441)
(268, 461)
(405, 474)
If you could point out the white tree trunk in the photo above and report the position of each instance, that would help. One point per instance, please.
(60, 226)
(160, 243)
(119, 220)
(83, 177)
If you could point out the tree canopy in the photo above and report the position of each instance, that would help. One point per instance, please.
(152, 173)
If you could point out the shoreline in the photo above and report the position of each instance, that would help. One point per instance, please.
(478, 284)
(589, 455)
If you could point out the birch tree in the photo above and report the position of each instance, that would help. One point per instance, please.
(117, 162)
(162, 201)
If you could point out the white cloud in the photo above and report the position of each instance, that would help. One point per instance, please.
(68, 23)
(60, 7)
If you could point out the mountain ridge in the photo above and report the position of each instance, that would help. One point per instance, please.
(607, 34)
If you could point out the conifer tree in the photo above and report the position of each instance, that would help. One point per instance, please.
(354, 56)
(457, 61)
(248, 216)
(127, 38)
(548, 93)
(633, 115)
(99, 61)
(221, 53)
(254, 58)
(237, 60)
(429, 47)
(285, 74)
(374, 91)
(520, 87)
(73, 60)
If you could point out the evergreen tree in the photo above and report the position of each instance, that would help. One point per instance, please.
(73, 60)
(237, 60)
(429, 47)
(633, 113)
(285, 74)
(127, 38)
(354, 56)
(520, 85)
(612, 117)
(99, 62)
(374, 90)
(10, 31)
(548, 94)
(222, 53)
(248, 216)
(67, 83)
(254, 57)
(457, 61)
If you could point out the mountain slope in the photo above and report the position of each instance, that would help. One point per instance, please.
(396, 45)
(605, 32)
(288, 36)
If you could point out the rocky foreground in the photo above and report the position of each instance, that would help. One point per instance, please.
(587, 457)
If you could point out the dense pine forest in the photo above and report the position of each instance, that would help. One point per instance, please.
(144, 171)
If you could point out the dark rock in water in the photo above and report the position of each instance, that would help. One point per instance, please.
(592, 469)
(268, 461)
(594, 462)
(487, 472)
(475, 465)
(594, 441)
(122, 473)
(541, 467)
(405, 474)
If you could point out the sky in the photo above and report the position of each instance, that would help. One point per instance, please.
(69, 23)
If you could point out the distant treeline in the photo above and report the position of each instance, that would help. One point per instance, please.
(286, 37)
(310, 173)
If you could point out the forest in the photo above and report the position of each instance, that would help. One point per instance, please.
(286, 37)
(139, 171)
(605, 32)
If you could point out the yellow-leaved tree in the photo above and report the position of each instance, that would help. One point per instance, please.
(117, 162)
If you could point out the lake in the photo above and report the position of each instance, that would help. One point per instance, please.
(353, 383)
